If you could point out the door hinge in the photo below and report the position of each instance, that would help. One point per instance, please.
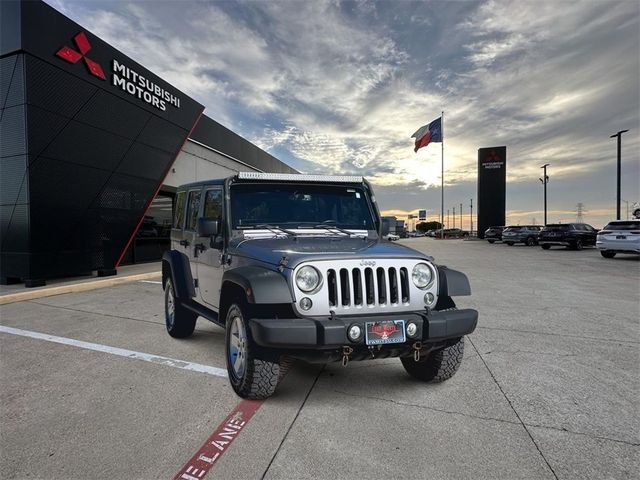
(195, 283)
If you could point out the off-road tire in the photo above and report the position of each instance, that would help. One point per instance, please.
(261, 373)
(183, 322)
(530, 242)
(607, 253)
(437, 366)
(545, 246)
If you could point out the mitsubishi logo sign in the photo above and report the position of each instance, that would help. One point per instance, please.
(124, 77)
(73, 56)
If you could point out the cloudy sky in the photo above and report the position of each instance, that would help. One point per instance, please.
(339, 87)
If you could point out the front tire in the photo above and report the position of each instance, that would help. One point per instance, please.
(531, 242)
(179, 321)
(607, 253)
(250, 377)
(577, 245)
(437, 366)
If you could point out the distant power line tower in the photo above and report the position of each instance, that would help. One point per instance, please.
(580, 211)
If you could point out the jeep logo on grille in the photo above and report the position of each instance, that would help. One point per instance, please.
(368, 263)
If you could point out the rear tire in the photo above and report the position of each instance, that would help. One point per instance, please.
(437, 366)
(607, 253)
(545, 246)
(251, 377)
(577, 245)
(179, 321)
(531, 242)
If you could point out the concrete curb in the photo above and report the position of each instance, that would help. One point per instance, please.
(77, 287)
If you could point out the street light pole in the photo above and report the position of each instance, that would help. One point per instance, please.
(619, 135)
(471, 214)
(545, 180)
(454, 217)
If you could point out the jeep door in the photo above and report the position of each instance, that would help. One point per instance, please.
(183, 234)
(210, 250)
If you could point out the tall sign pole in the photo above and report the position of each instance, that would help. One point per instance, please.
(471, 214)
(545, 180)
(619, 135)
(442, 179)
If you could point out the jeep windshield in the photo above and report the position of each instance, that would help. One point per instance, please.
(300, 206)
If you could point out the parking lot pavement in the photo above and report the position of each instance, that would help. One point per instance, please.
(548, 388)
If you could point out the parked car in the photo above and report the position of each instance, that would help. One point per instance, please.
(392, 237)
(493, 234)
(454, 233)
(571, 235)
(292, 266)
(527, 234)
(619, 236)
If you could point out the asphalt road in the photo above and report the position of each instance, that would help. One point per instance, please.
(548, 387)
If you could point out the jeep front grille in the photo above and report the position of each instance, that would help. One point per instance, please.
(367, 286)
(353, 287)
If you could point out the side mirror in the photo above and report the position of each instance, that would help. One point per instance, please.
(207, 227)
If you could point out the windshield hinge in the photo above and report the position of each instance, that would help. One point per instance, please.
(284, 261)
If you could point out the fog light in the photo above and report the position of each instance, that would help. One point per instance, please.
(412, 329)
(306, 303)
(354, 332)
(429, 298)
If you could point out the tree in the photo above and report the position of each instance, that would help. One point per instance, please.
(426, 226)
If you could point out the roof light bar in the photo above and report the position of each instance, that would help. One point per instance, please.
(299, 177)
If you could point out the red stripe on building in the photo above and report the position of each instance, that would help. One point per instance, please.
(219, 442)
(164, 176)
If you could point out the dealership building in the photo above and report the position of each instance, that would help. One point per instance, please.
(92, 148)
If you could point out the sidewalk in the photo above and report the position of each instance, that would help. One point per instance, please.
(126, 274)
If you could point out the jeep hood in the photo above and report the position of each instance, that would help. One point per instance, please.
(304, 249)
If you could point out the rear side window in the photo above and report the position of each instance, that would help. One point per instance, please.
(178, 217)
(193, 207)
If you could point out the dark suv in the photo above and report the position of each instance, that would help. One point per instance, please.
(493, 234)
(527, 234)
(571, 235)
(294, 266)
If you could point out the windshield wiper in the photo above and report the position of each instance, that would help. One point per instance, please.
(275, 229)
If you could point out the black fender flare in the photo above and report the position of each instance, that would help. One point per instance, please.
(176, 265)
(261, 285)
(453, 283)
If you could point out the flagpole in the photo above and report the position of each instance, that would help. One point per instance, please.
(442, 180)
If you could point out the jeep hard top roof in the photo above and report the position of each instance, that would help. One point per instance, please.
(278, 177)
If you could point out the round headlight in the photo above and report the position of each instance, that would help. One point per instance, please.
(422, 275)
(307, 278)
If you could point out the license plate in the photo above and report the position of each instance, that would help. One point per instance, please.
(621, 237)
(384, 332)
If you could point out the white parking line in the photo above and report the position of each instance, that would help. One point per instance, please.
(121, 352)
(155, 282)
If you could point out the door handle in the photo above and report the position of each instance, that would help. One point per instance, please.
(184, 243)
(197, 248)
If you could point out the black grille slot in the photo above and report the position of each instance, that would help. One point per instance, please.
(368, 286)
(404, 285)
(333, 288)
(345, 294)
(357, 287)
(393, 286)
(382, 285)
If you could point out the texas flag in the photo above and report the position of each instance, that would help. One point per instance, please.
(428, 133)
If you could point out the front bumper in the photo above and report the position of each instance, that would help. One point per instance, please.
(331, 333)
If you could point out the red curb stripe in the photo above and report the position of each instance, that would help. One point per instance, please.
(219, 442)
